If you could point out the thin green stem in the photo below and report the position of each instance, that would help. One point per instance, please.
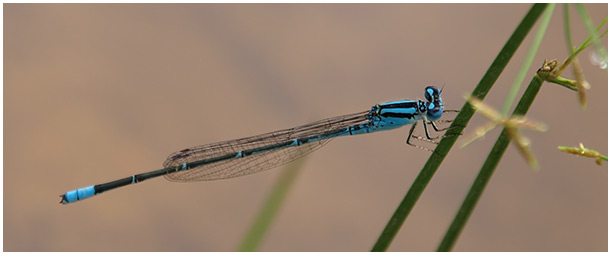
(583, 46)
(567, 28)
(492, 161)
(588, 42)
(270, 208)
(528, 60)
(456, 128)
(569, 84)
(588, 23)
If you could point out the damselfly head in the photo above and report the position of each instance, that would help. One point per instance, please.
(434, 104)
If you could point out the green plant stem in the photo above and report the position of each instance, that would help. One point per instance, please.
(569, 84)
(270, 207)
(588, 23)
(456, 128)
(528, 60)
(574, 52)
(567, 28)
(487, 170)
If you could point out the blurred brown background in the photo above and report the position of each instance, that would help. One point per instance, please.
(97, 92)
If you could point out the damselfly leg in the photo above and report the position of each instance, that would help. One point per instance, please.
(428, 138)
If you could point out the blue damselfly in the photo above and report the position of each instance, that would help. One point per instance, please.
(254, 154)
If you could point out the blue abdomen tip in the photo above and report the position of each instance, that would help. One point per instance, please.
(79, 194)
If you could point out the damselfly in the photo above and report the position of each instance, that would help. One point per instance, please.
(254, 154)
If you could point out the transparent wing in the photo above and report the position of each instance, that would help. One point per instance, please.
(325, 129)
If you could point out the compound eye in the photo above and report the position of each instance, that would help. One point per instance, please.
(430, 93)
(428, 96)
